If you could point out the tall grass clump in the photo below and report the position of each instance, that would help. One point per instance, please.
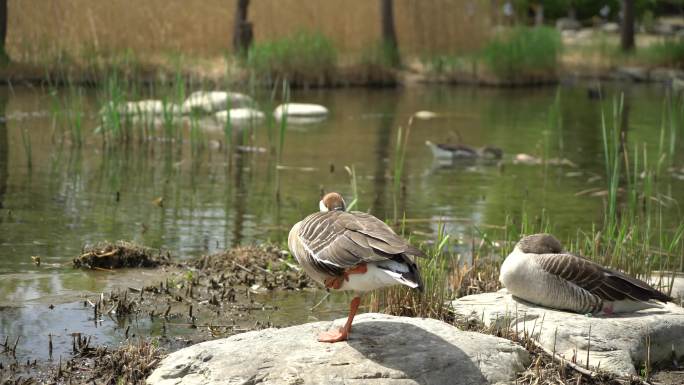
(669, 52)
(431, 300)
(305, 57)
(114, 120)
(633, 236)
(523, 52)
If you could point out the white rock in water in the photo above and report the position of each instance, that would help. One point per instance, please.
(425, 115)
(240, 116)
(381, 350)
(616, 343)
(212, 101)
(300, 110)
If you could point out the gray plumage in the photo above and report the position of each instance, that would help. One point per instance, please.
(328, 243)
(570, 281)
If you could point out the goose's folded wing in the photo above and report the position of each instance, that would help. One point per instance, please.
(339, 240)
(608, 284)
(380, 236)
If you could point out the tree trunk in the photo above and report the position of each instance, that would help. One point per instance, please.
(627, 27)
(389, 34)
(242, 29)
(3, 31)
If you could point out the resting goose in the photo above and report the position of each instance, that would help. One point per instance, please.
(538, 271)
(351, 251)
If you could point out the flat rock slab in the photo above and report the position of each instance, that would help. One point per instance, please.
(618, 344)
(382, 349)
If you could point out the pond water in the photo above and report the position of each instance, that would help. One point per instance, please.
(212, 200)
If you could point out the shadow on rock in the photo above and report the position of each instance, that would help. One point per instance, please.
(422, 356)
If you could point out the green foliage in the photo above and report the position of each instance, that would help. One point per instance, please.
(303, 54)
(665, 53)
(523, 52)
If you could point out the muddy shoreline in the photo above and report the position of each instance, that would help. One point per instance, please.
(204, 298)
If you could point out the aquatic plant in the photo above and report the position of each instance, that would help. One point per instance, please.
(170, 122)
(197, 137)
(351, 170)
(283, 120)
(398, 169)
(281, 134)
(113, 116)
(523, 52)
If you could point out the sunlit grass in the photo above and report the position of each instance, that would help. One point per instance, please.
(303, 57)
(666, 53)
(522, 52)
(514, 54)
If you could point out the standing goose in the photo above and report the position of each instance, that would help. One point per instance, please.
(540, 272)
(351, 251)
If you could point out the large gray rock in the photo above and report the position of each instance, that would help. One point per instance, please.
(382, 349)
(617, 343)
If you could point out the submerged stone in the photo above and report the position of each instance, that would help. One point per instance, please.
(304, 111)
(382, 349)
(212, 101)
(240, 116)
(616, 344)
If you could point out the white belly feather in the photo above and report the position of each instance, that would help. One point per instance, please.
(525, 279)
(377, 277)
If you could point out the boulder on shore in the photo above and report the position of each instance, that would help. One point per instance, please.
(382, 349)
(616, 344)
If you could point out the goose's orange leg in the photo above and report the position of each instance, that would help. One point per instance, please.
(343, 332)
(336, 282)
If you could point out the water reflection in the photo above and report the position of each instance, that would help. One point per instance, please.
(240, 193)
(4, 147)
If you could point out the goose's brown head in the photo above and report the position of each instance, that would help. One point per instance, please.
(332, 202)
(540, 244)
